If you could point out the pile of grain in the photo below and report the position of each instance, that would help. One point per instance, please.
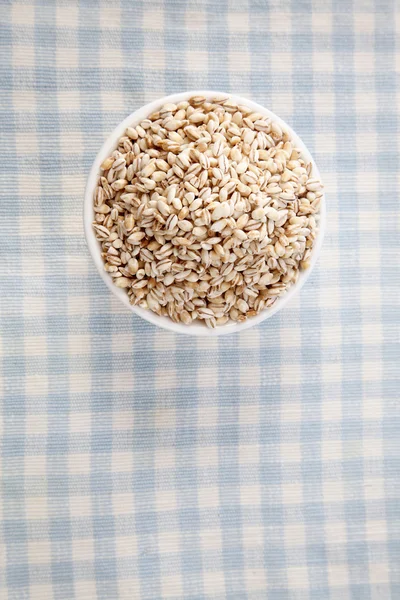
(206, 210)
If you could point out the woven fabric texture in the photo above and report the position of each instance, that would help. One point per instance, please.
(140, 464)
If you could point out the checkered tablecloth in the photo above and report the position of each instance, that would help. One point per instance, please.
(142, 465)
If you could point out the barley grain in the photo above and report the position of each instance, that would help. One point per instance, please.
(206, 211)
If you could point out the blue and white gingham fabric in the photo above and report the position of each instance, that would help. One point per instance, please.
(141, 465)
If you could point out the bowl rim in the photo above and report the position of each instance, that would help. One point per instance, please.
(198, 330)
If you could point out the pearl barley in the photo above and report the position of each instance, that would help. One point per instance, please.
(206, 211)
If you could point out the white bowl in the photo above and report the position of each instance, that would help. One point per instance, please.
(196, 329)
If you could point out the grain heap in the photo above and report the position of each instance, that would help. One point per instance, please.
(206, 210)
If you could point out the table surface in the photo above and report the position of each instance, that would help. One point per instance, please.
(139, 464)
